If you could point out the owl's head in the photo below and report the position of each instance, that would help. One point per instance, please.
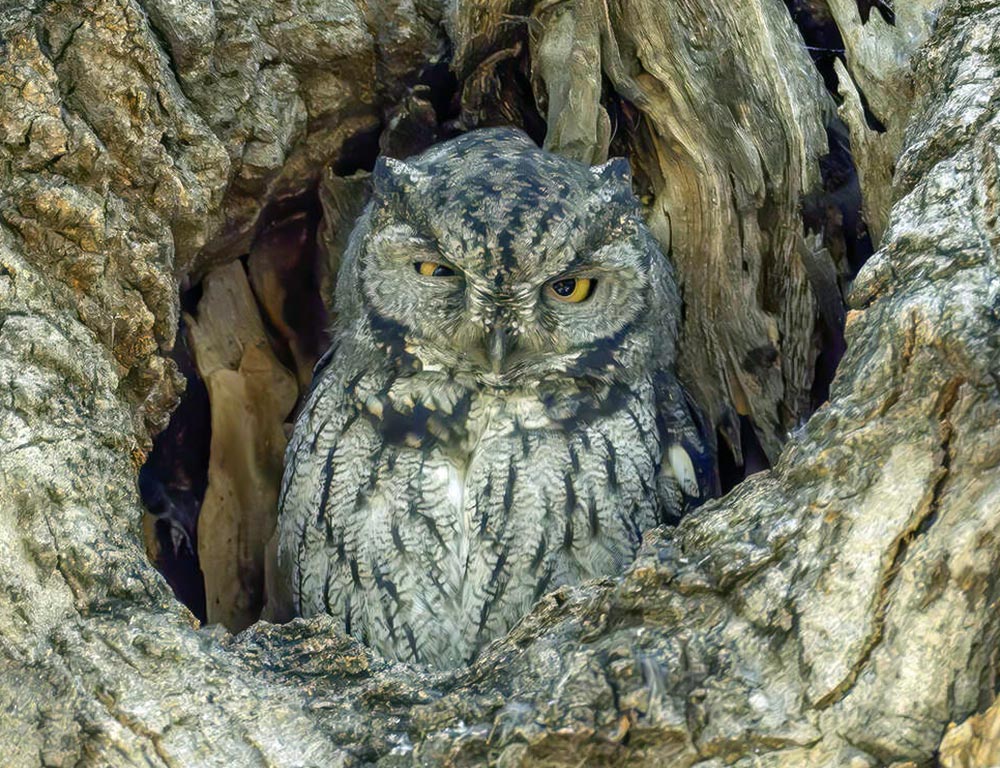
(509, 266)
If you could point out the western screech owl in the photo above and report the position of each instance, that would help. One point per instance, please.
(497, 415)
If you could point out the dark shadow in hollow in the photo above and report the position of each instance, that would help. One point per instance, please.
(825, 44)
(731, 473)
(173, 481)
(836, 212)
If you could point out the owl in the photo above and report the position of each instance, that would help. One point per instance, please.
(497, 415)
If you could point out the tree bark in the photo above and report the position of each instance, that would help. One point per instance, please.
(836, 610)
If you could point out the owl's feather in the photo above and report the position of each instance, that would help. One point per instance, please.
(439, 481)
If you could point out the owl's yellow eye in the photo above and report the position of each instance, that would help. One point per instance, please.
(433, 269)
(571, 290)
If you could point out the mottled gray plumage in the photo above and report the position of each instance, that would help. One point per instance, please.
(471, 441)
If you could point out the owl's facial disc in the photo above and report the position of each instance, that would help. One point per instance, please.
(513, 269)
(568, 315)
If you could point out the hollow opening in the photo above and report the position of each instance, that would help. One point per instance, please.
(271, 300)
(835, 211)
(825, 44)
(249, 335)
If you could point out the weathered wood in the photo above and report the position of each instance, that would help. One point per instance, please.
(838, 610)
(251, 394)
(975, 743)
(878, 71)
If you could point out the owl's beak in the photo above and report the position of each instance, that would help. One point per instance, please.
(496, 347)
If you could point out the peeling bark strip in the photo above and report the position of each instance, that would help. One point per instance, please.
(838, 610)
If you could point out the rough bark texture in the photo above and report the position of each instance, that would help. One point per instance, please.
(838, 610)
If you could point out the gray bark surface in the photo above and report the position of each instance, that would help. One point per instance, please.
(836, 610)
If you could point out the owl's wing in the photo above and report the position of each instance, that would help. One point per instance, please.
(323, 362)
(687, 439)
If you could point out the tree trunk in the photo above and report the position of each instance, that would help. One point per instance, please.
(836, 610)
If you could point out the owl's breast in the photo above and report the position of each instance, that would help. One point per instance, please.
(429, 549)
(531, 505)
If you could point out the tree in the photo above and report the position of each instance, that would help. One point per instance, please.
(838, 609)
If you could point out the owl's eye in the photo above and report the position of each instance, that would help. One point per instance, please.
(571, 290)
(433, 269)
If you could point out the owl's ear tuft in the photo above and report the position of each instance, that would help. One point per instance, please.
(391, 176)
(615, 171)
